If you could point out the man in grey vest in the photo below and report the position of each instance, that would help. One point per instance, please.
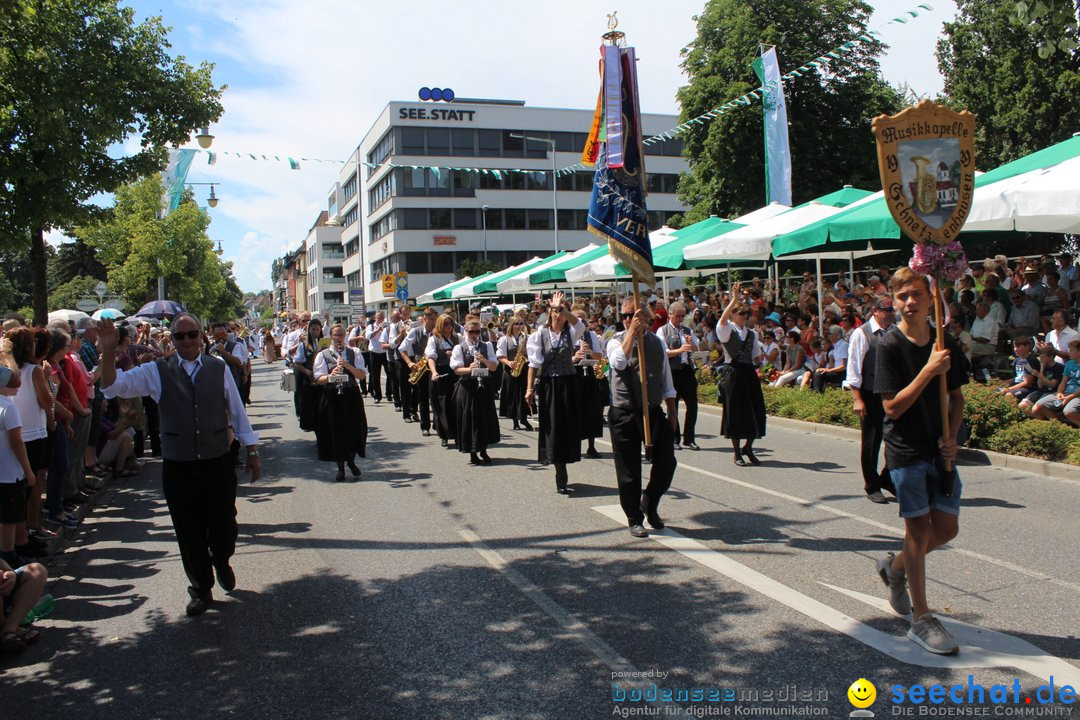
(412, 352)
(199, 404)
(626, 414)
(861, 364)
(680, 343)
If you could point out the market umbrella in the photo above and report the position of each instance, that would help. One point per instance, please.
(489, 284)
(441, 293)
(1043, 200)
(160, 309)
(107, 314)
(606, 269)
(67, 316)
(670, 255)
(772, 209)
(520, 282)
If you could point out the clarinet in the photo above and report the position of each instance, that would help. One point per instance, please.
(337, 358)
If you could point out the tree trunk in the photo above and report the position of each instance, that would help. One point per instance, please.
(38, 271)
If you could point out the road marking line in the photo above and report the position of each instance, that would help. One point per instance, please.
(608, 655)
(1001, 650)
(892, 529)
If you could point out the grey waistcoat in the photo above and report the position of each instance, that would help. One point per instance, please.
(194, 416)
(626, 383)
(674, 340)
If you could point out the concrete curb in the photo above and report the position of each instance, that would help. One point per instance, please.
(968, 456)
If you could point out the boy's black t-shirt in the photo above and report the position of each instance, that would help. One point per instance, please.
(914, 435)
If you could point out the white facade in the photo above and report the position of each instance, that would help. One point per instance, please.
(326, 284)
(427, 223)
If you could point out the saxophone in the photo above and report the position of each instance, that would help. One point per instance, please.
(418, 371)
(519, 358)
(600, 368)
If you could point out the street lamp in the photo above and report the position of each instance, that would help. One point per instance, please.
(554, 189)
(205, 138)
(213, 200)
(483, 218)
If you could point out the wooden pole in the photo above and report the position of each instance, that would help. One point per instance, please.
(939, 344)
(641, 370)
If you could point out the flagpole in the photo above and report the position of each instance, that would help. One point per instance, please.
(939, 344)
(641, 371)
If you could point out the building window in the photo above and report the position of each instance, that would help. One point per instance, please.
(352, 247)
(412, 181)
(537, 181)
(539, 219)
(383, 150)
(464, 141)
(438, 141)
(384, 226)
(490, 182)
(412, 141)
(465, 219)
(381, 192)
(493, 217)
(414, 219)
(515, 219)
(489, 143)
(416, 262)
(352, 216)
(349, 188)
(439, 219)
(512, 146)
(438, 182)
(534, 149)
(441, 262)
(514, 181)
(464, 183)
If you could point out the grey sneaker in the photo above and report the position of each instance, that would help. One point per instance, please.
(897, 584)
(877, 497)
(932, 635)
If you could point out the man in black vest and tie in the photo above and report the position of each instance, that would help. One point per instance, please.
(862, 360)
(625, 418)
(199, 403)
(681, 343)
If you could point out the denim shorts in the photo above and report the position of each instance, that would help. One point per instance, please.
(918, 490)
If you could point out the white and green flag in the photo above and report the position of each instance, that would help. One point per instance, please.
(173, 178)
(777, 152)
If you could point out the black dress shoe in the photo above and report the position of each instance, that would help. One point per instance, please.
(739, 460)
(650, 512)
(408, 418)
(444, 442)
(198, 605)
(415, 418)
(692, 446)
(474, 459)
(517, 426)
(638, 530)
(751, 456)
(226, 577)
(592, 452)
(340, 477)
(353, 469)
(484, 457)
(527, 426)
(425, 433)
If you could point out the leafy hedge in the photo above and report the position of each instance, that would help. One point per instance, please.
(994, 421)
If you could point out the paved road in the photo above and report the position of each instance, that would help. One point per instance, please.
(434, 589)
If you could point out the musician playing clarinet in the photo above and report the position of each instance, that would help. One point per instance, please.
(341, 434)
(474, 397)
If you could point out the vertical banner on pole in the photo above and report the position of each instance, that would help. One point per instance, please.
(777, 150)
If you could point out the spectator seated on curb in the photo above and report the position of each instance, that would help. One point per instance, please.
(1025, 365)
(20, 589)
(1047, 378)
(1066, 402)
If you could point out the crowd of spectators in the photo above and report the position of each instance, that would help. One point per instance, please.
(62, 439)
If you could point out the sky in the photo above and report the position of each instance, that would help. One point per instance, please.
(307, 79)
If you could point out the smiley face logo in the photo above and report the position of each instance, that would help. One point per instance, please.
(862, 693)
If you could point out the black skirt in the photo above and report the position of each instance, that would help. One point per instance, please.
(442, 403)
(559, 405)
(477, 421)
(342, 425)
(591, 404)
(310, 396)
(744, 404)
(512, 395)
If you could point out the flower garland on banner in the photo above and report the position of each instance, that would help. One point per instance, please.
(756, 94)
(947, 261)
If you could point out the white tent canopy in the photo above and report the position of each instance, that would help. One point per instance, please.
(428, 297)
(1044, 200)
(772, 209)
(603, 269)
(519, 283)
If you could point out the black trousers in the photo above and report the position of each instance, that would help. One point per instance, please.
(818, 381)
(367, 364)
(872, 427)
(378, 361)
(421, 394)
(627, 436)
(685, 381)
(393, 378)
(153, 425)
(201, 496)
(407, 391)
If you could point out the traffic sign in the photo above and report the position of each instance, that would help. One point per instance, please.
(387, 285)
(403, 279)
(115, 304)
(339, 309)
(87, 305)
(403, 294)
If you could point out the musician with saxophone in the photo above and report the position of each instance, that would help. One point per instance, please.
(412, 352)
(341, 433)
(511, 354)
(679, 341)
(592, 398)
(474, 396)
(440, 347)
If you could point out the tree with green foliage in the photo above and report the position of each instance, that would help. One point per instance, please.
(73, 260)
(137, 246)
(16, 280)
(475, 268)
(1021, 101)
(1053, 22)
(829, 110)
(65, 296)
(78, 78)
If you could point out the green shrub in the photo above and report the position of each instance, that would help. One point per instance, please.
(1045, 440)
(833, 407)
(986, 412)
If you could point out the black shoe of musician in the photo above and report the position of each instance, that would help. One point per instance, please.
(198, 605)
(340, 477)
(484, 457)
(474, 459)
(739, 460)
(408, 418)
(525, 424)
(226, 577)
(751, 456)
(444, 442)
(425, 433)
(638, 530)
(353, 469)
(591, 452)
(650, 512)
(561, 482)
(516, 425)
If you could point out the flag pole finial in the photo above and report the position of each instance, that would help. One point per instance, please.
(613, 36)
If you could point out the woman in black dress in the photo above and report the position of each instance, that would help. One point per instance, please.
(474, 397)
(744, 404)
(303, 367)
(440, 347)
(592, 399)
(551, 361)
(342, 422)
(512, 393)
